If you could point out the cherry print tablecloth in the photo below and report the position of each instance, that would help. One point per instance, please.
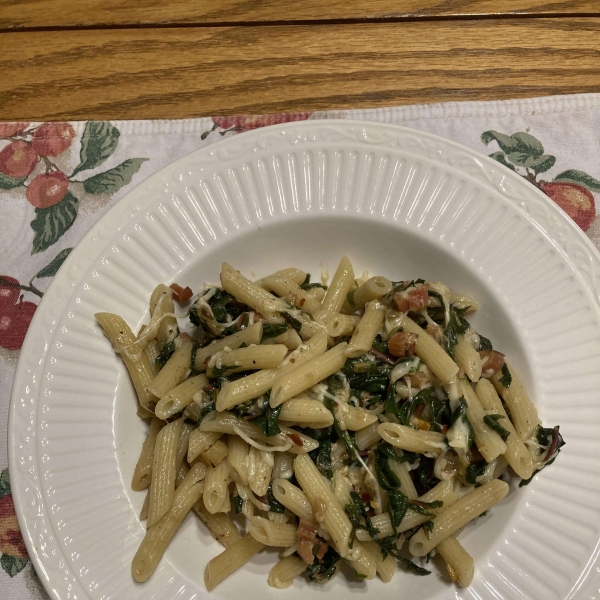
(58, 179)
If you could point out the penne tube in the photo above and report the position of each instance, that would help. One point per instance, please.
(255, 385)
(215, 454)
(246, 359)
(260, 467)
(223, 565)
(341, 488)
(353, 417)
(292, 383)
(488, 442)
(199, 442)
(157, 538)
(367, 437)
(428, 350)
(338, 325)
(293, 441)
(140, 371)
(221, 527)
(386, 567)
(142, 474)
(318, 293)
(366, 331)
(296, 275)
(523, 413)
(306, 412)
(216, 491)
(161, 303)
(183, 445)
(250, 335)
(237, 459)
(283, 573)
(180, 396)
(174, 371)
(285, 287)
(467, 358)
(339, 288)
(517, 454)
(283, 467)
(144, 511)
(412, 440)
(294, 499)
(162, 486)
(458, 561)
(362, 561)
(458, 515)
(406, 483)
(270, 533)
(152, 351)
(328, 511)
(249, 293)
(372, 289)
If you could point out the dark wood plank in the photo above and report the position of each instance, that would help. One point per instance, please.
(191, 72)
(87, 13)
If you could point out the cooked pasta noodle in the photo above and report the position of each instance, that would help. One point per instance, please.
(339, 421)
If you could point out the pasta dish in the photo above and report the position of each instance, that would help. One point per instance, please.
(364, 422)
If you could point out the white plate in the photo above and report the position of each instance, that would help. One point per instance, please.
(399, 202)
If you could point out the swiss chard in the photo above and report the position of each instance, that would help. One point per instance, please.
(492, 422)
(388, 546)
(484, 344)
(359, 518)
(475, 470)
(268, 419)
(506, 378)
(273, 330)
(165, 354)
(460, 412)
(325, 568)
(307, 285)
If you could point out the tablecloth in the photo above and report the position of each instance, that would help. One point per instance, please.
(58, 179)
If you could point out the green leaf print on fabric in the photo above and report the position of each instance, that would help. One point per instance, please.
(99, 141)
(571, 190)
(51, 223)
(113, 180)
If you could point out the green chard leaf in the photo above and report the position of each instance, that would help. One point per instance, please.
(484, 344)
(506, 378)
(397, 507)
(475, 470)
(165, 354)
(237, 504)
(111, 181)
(51, 223)
(206, 409)
(324, 569)
(492, 422)
(271, 331)
(268, 419)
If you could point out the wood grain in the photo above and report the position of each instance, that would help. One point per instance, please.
(191, 72)
(87, 13)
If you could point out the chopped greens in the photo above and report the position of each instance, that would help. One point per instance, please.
(237, 504)
(323, 569)
(268, 418)
(506, 378)
(165, 354)
(484, 343)
(475, 470)
(274, 505)
(273, 330)
(492, 422)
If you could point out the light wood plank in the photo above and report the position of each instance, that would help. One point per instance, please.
(67, 13)
(176, 73)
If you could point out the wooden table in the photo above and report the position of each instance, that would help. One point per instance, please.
(100, 59)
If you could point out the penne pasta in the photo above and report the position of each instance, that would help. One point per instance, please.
(458, 515)
(164, 471)
(250, 335)
(357, 398)
(365, 332)
(232, 559)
